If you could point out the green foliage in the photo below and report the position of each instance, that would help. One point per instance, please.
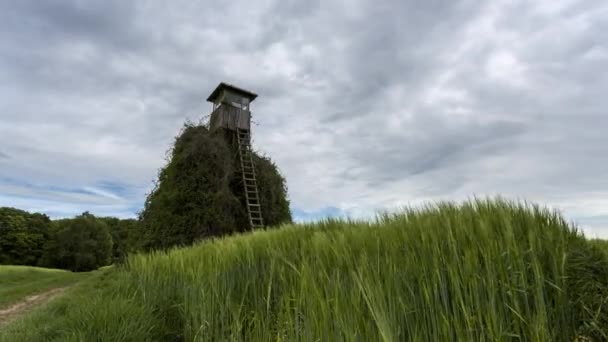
(480, 271)
(272, 191)
(22, 236)
(124, 234)
(79, 244)
(35, 240)
(199, 194)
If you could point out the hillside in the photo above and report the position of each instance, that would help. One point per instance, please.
(484, 270)
(23, 288)
(17, 282)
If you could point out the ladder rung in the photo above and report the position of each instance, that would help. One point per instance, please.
(252, 198)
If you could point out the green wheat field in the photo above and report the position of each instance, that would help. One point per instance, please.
(483, 270)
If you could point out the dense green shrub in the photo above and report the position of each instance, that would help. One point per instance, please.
(198, 193)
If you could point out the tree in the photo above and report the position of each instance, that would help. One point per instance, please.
(80, 244)
(198, 193)
(22, 236)
(122, 232)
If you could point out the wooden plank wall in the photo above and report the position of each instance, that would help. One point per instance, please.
(230, 117)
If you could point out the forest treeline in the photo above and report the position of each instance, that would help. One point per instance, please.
(82, 243)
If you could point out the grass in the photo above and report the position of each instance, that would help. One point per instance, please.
(478, 271)
(18, 282)
(600, 244)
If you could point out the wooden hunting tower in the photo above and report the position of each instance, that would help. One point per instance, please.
(231, 113)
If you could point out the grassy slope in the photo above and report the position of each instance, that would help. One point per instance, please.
(488, 271)
(18, 282)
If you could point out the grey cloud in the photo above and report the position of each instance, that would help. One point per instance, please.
(428, 147)
(51, 22)
(362, 104)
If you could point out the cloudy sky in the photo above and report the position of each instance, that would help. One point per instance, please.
(364, 105)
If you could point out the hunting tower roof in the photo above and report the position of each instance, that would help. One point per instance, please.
(225, 86)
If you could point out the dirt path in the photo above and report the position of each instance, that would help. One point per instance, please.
(17, 309)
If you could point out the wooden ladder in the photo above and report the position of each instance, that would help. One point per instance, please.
(252, 197)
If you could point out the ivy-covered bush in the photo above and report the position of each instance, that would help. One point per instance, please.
(199, 193)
